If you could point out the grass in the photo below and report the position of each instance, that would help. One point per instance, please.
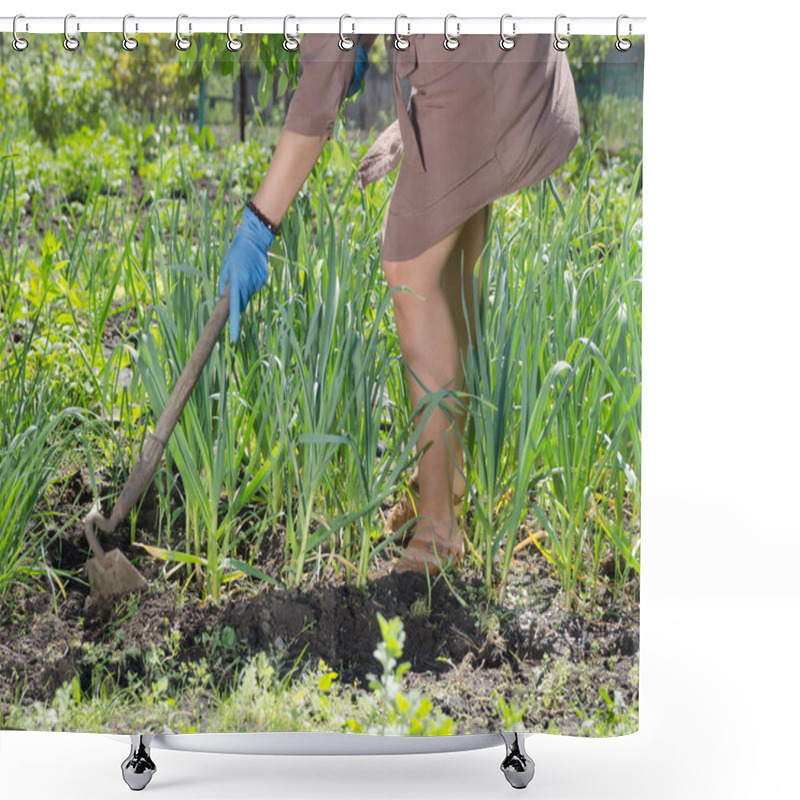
(304, 424)
(38, 428)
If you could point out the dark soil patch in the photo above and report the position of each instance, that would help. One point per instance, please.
(52, 206)
(462, 651)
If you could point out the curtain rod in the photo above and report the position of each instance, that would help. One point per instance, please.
(406, 25)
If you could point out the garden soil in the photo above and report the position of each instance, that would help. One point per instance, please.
(462, 651)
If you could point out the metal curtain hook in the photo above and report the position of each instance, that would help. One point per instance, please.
(622, 44)
(560, 43)
(344, 42)
(70, 42)
(290, 42)
(234, 44)
(18, 43)
(451, 42)
(181, 42)
(128, 43)
(400, 42)
(507, 42)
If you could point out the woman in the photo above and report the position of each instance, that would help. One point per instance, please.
(481, 122)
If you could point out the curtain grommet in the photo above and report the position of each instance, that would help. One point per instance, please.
(290, 42)
(559, 42)
(18, 43)
(507, 42)
(400, 42)
(451, 42)
(71, 43)
(622, 44)
(233, 44)
(344, 42)
(128, 42)
(181, 42)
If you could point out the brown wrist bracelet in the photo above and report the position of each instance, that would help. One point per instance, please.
(275, 230)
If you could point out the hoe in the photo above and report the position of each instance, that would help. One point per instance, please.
(111, 575)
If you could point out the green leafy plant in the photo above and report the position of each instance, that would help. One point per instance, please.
(613, 717)
(38, 428)
(30, 455)
(510, 713)
(395, 712)
(209, 443)
(57, 91)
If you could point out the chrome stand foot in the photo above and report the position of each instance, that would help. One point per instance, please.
(138, 768)
(517, 766)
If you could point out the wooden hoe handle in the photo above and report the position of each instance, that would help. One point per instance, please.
(154, 445)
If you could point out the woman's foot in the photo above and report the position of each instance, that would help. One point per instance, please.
(432, 548)
(405, 508)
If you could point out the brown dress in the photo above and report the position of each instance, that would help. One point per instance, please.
(481, 123)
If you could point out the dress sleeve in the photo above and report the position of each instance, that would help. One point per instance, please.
(326, 74)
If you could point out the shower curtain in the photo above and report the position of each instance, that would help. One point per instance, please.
(294, 482)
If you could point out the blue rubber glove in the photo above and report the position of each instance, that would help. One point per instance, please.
(245, 265)
(361, 67)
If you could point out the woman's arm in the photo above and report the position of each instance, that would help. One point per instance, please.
(327, 71)
(327, 74)
(292, 162)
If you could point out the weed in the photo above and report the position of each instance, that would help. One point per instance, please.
(612, 718)
(553, 684)
(392, 711)
(511, 713)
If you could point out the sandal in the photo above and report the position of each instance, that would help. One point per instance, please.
(432, 555)
(405, 509)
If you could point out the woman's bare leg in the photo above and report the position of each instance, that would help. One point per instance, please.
(428, 332)
(467, 250)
